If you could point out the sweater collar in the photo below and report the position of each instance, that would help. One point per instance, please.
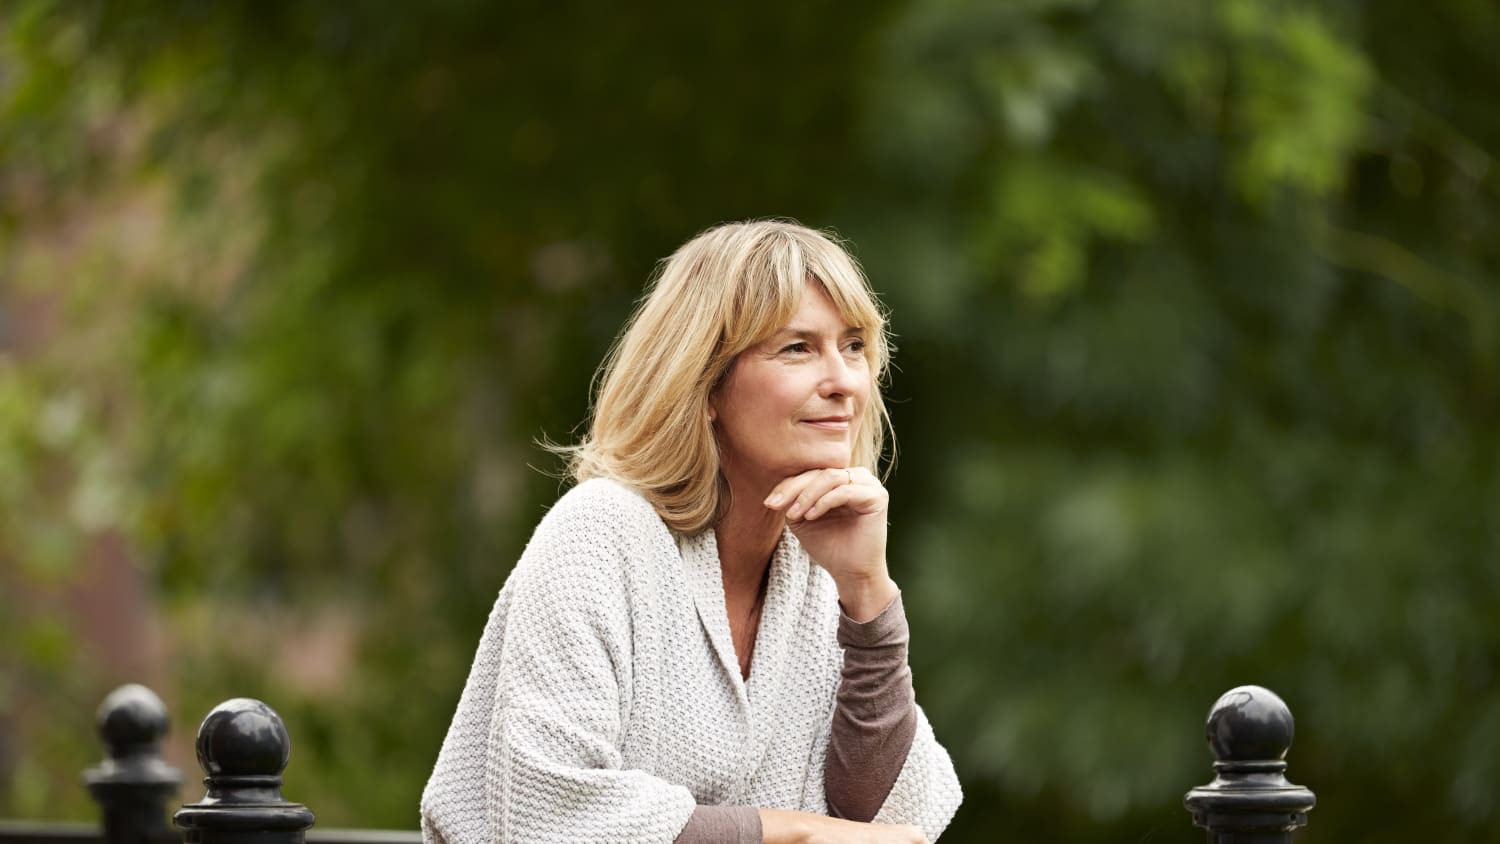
(785, 588)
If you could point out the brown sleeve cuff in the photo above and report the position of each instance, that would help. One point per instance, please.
(874, 717)
(884, 630)
(721, 825)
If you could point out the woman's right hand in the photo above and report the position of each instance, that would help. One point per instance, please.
(781, 826)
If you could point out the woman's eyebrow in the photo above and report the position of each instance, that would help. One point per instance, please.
(810, 334)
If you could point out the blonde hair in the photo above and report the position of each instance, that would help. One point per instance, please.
(727, 289)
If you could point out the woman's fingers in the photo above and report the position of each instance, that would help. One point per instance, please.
(859, 498)
(815, 492)
(793, 493)
(825, 482)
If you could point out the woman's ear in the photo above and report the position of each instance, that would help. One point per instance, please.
(712, 400)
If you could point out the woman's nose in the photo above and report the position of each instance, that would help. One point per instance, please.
(838, 377)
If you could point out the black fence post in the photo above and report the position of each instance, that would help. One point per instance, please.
(1250, 800)
(243, 747)
(132, 785)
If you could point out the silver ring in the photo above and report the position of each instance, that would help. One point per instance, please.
(850, 474)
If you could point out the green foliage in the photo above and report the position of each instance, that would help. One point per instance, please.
(369, 261)
(1197, 373)
(1210, 410)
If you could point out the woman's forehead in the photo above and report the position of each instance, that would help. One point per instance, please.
(817, 313)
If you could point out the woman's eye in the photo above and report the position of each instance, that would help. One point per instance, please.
(855, 346)
(797, 348)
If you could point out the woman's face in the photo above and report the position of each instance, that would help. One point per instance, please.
(794, 402)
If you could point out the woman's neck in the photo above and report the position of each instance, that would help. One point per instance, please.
(747, 536)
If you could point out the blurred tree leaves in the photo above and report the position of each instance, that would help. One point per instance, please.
(1210, 411)
(327, 272)
(1197, 326)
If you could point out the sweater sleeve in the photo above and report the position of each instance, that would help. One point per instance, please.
(554, 769)
(534, 752)
(875, 714)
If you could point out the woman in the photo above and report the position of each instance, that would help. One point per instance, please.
(702, 642)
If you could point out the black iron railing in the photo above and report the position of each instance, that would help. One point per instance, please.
(243, 747)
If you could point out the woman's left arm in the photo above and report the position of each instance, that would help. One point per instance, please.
(883, 760)
(874, 717)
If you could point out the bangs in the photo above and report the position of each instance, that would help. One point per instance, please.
(770, 283)
(845, 285)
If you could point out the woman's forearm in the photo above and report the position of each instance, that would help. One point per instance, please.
(722, 825)
(875, 715)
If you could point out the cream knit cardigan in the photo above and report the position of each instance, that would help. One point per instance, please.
(605, 701)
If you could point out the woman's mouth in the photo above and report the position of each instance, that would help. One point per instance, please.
(829, 423)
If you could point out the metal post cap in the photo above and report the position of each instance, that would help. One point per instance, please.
(243, 737)
(1249, 730)
(1249, 723)
(243, 747)
(129, 717)
(132, 721)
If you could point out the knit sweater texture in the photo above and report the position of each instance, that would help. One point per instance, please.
(605, 701)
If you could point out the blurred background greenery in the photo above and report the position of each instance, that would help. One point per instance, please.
(1198, 359)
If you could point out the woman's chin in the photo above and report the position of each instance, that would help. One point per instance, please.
(824, 460)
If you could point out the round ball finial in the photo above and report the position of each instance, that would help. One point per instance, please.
(1249, 731)
(1249, 724)
(243, 737)
(132, 719)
